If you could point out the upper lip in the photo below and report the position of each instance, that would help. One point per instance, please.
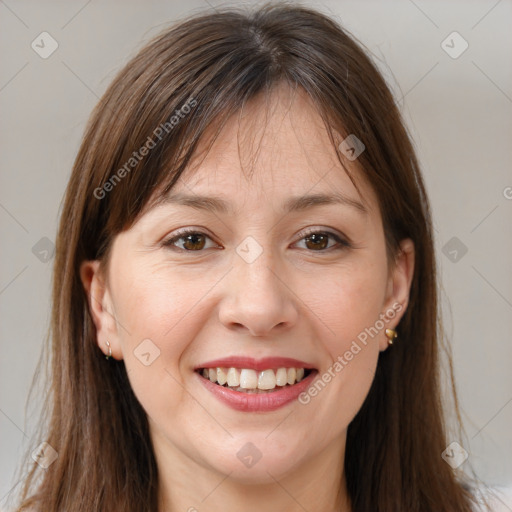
(255, 364)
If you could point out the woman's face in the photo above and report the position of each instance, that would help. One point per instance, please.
(255, 288)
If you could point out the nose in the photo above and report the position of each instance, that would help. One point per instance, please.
(258, 297)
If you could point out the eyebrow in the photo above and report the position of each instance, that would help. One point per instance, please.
(292, 204)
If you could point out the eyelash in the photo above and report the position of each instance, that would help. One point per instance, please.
(343, 244)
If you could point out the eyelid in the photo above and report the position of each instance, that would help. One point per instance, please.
(180, 233)
(342, 240)
(315, 230)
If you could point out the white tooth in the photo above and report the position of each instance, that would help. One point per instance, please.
(221, 376)
(233, 377)
(281, 377)
(205, 373)
(267, 380)
(292, 373)
(212, 374)
(300, 374)
(248, 379)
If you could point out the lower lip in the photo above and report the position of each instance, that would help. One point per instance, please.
(258, 402)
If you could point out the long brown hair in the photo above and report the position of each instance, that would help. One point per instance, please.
(215, 63)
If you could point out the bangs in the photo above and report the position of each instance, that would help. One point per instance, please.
(185, 90)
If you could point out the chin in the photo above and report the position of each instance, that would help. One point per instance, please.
(256, 462)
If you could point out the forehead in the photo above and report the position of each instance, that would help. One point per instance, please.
(277, 149)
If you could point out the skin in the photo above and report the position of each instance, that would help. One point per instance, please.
(295, 300)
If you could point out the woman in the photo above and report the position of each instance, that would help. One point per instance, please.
(245, 307)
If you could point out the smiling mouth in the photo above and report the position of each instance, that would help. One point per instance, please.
(246, 380)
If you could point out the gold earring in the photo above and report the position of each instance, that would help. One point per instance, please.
(391, 334)
(109, 351)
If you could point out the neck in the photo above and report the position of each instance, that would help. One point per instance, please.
(318, 484)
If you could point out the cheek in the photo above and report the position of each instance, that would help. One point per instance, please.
(349, 306)
(156, 325)
(349, 302)
(155, 304)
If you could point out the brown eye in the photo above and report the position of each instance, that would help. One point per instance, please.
(191, 241)
(195, 241)
(318, 241)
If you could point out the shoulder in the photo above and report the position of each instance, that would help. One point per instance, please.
(499, 499)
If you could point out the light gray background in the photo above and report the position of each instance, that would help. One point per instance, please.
(459, 112)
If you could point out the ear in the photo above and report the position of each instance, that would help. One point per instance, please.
(100, 307)
(398, 289)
